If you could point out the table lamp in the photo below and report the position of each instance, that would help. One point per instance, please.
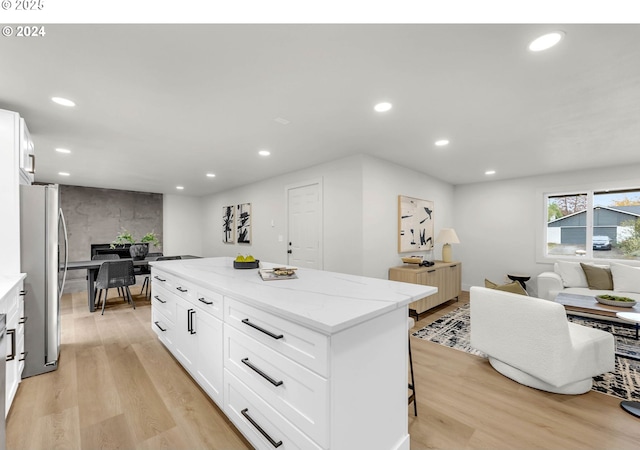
(448, 236)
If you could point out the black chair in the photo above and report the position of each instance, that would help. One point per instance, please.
(146, 271)
(116, 274)
(106, 257)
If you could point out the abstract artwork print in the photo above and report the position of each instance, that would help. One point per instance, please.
(415, 224)
(244, 223)
(227, 224)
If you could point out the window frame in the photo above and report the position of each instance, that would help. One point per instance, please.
(541, 230)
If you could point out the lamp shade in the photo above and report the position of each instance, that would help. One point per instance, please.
(448, 236)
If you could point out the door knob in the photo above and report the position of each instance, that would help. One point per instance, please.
(289, 251)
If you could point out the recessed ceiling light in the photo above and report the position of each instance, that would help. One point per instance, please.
(442, 142)
(63, 101)
(546, 41)
(264, 153)
(64, 174)
(180, 187)
(383, 107)
(282, 121)
(490, 172)
(211, 175)
(63, 150)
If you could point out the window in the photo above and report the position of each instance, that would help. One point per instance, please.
(593, 224)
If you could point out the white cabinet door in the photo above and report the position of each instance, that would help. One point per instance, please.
(27, 154)
(209, 358)
(185, 339)
(198, 346)
(14, 309)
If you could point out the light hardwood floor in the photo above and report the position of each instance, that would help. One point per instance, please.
(118, 387)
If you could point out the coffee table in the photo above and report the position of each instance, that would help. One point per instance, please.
(588, 304)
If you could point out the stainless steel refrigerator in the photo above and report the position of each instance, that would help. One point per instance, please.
(43, 257)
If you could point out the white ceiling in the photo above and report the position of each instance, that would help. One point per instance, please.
(160, 105)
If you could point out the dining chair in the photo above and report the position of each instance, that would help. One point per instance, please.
(116, 274)
(167, 258)
(146, 271)
(106, 257)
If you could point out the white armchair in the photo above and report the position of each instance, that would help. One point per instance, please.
(530, 341)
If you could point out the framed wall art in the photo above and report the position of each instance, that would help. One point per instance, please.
(415, 224)
(243, 225)
(228, 224)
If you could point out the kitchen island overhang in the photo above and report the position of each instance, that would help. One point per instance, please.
(327, 302)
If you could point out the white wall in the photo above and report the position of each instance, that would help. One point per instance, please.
(182, 225)
(342, 216)
(499, 222)
(382, 183)
(360, 217)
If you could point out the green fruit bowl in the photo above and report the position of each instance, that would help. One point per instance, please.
(246, 265)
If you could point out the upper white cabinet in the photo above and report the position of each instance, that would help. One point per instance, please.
(27, 155)
(10, 191)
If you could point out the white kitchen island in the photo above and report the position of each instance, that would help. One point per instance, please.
(317, 362)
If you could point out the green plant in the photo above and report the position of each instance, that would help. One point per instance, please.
(125, 237)
(630, 246)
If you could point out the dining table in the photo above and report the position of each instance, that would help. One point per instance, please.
(93, 267)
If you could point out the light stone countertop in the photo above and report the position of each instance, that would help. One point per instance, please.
(327, 302)
(8, 282)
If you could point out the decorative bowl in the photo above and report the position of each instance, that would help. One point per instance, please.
(412, 259)
(246, 265)
(614, 300)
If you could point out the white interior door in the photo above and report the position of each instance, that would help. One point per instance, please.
(304, 240)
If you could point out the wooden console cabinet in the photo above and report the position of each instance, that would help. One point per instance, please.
(447, 277)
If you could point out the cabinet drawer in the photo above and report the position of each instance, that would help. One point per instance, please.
(163, 327)
(209, 301)
(261, 424)
(297, 393)
(163, 301)
(185, 290)
(160, 278)
(302, 345)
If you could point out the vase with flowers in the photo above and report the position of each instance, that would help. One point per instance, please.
(139, 248)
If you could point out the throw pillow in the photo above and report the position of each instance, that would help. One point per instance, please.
(598, 277)
(572, 274)
(514, 288)
(625, 278)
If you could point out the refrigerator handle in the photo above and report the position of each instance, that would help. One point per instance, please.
(66, 253)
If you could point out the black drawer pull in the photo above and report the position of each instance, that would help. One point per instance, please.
(22, 320)
(190, 313)
(24, 356)
(431, 271)
(246, 362)
(267, 332)
(205, 301)
(158, 325)
(159, 299)
(12, 332)
(159, 279)
(245, 413)
(181, 289)
(23, 292)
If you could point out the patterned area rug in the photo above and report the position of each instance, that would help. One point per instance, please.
(452, 330)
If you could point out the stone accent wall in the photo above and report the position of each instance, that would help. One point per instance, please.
(96, 216)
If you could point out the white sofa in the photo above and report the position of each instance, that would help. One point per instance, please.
(530, 341)
(568, 276)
